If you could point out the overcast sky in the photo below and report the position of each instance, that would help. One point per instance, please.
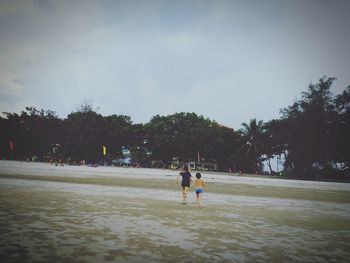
(229, 61)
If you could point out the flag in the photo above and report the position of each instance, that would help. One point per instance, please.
(11, 145)
(104, 150)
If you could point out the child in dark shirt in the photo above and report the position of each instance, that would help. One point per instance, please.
(185, 183)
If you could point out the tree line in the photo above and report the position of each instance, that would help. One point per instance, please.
(311, 137)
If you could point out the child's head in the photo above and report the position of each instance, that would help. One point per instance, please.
(198, 175)
(186, 168)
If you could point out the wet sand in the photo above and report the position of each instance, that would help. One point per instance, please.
(108, 214)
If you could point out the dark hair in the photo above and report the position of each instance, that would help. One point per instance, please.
(198, 175)
(186, 168)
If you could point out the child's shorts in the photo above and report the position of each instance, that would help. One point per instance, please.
(199, 190)
(185, 184)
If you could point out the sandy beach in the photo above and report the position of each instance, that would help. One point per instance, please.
(115, 214)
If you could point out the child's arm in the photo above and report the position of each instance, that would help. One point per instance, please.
(192, 181)
(177, 178)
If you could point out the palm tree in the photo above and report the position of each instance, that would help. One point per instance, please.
(252, 141)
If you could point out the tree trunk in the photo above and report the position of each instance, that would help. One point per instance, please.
(269, 164)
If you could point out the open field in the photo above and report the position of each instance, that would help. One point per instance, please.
(106, 214)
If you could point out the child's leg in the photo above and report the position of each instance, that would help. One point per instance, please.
(197, 198)
(184, 193)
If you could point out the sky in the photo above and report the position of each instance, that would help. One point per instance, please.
(229, 61)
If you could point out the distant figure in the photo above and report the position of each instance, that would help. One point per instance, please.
(59, 162)
(185, 183)
(199, 184)
(56, 155)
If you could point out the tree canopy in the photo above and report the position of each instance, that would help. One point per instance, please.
(311, 137)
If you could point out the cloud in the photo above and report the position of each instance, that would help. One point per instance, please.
(228, 60)
(15, 6)
(181, 40)
(11, 92)
(10, 84)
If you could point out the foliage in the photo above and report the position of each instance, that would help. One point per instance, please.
(310, 128)
(251, 145)
(312, 135)
(183, 135)
(32, 132)
(341, 130)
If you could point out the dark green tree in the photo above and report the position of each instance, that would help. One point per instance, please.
(309, 124)
(32, 132)
(341, 131)
(85, 132)
(251, 146)
(183, 135)
(275, 140)
(120, 132)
